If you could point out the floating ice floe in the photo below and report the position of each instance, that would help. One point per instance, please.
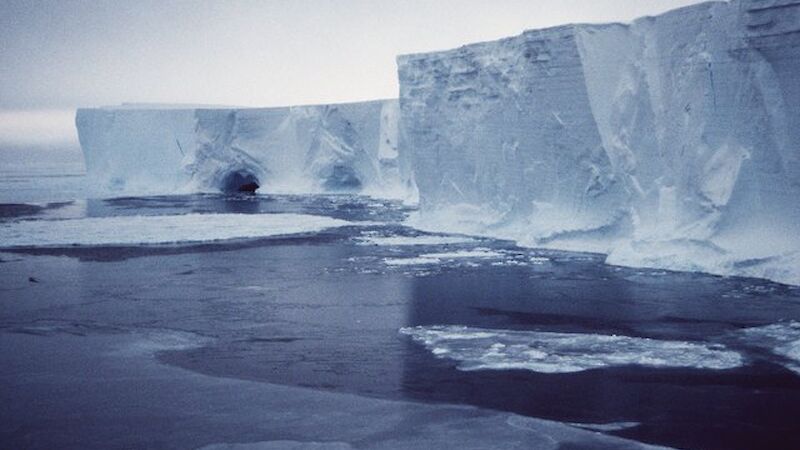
(414, 240)
(782, 339)
(436, 258)
(138, 230)
(545, 352)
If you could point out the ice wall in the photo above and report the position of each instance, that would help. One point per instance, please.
(325, 148)
(129, 149)
(671, 142)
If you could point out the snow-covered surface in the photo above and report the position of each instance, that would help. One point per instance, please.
(669, 142)
(545, 352)
(137, 230)
(348, 147)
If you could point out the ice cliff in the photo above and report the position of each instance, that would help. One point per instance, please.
(326, 148)
(670, 142)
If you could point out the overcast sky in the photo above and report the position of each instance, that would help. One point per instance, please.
(62, 54)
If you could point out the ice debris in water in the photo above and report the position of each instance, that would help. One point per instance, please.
(414, 240)
(547, 352)
(782, 339)
(436, 258)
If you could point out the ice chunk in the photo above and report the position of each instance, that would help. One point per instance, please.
(418, 261)
(414, 240)
(137, 230)
(437, 258)
(475, 253)
(484, 349)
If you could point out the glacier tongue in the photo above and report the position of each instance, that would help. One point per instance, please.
(671, 142)
(303, 149)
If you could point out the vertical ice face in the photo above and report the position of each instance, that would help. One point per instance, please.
(304, 149)
(325, 148)
(508, 126)
(670, 142)
(137, 150)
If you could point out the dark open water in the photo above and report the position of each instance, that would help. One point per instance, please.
(323, 310)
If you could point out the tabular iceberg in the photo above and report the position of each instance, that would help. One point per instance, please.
(346, 147)
(670, 142)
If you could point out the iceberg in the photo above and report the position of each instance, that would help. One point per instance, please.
(670, 142)
(348, 147)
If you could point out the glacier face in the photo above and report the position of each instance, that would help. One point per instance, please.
(324, 148)
(136, 149)
(670, 142)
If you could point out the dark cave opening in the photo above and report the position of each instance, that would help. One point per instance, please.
(240, 181)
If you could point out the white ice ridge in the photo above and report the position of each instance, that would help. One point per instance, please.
(137, 230)
(348, 147)
(545, 352)
(670, 142)
(782, 339)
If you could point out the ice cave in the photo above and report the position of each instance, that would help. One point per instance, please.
(240, 181)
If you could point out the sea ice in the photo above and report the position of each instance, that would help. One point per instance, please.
(414, 240)
(782, 339)
(545, 352)
(138, 230)
(437, 258)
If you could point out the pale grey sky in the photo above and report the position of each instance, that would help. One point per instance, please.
(61, 54)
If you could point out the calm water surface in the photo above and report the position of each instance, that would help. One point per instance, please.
(324, 310)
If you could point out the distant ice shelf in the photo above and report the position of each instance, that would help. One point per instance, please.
(351, 147)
